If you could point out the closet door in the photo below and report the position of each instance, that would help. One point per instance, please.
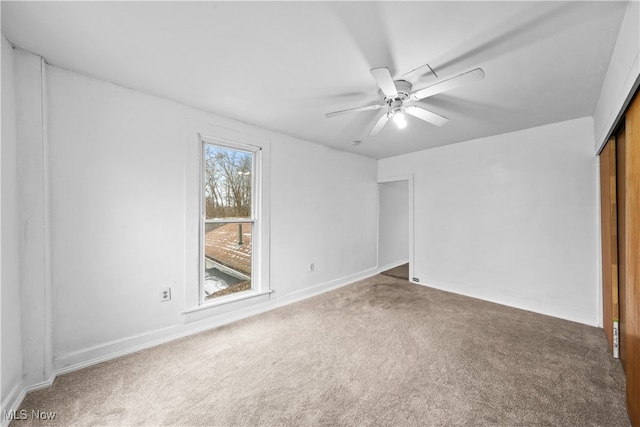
(631, 297)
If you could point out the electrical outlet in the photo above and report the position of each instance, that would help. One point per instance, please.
(312, 266)
(165, 294)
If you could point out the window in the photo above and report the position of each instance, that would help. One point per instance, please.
(227, 211)
(230, 222)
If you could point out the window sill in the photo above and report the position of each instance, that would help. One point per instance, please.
(226, 300)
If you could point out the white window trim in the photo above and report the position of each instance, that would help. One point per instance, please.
(228, 299)
(200, 133)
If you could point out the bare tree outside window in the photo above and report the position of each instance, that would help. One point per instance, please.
(227, 182)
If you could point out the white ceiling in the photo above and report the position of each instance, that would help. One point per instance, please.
(283, 65)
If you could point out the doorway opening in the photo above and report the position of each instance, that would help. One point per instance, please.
(395, 227)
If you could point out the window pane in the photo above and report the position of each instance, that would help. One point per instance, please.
(227, 182)
(227, 258)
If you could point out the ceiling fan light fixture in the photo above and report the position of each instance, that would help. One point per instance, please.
(399, 119)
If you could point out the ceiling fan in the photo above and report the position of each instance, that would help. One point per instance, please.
(398, 92)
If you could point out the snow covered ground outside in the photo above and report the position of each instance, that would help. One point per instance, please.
(215, 280)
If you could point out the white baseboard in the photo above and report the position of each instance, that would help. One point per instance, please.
(391, 265)
(547, 308)
(324, 287)
(12, 402)
(108, 351)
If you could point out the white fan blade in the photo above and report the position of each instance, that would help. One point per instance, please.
(354, 110)
(422, 66)
(445, 85)
(427, 116)
(379, 125)
(385, 81)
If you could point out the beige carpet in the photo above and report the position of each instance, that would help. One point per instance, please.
(399, 272)
(378, 352)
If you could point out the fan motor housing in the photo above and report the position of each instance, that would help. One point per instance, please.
(404, 89)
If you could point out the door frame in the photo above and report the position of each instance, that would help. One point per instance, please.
(398, 178)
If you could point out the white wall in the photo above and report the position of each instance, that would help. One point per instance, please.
(117, 211)
(120, 168)
(510, 218)
(623, 71)
(11, 338)
(393, 224)
(323, 212)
